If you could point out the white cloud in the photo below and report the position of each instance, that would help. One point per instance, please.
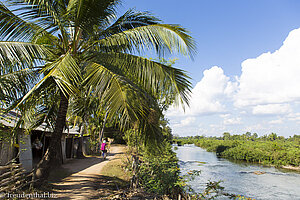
(185, 122)
(272, 109)
(294, 117)
(233, 121)
(243, 112)
(208, 94)
(229, 120)
(217, 129)
(260, 129)
(276, 121)
(269, 86)
(272, 77)
(225, 115)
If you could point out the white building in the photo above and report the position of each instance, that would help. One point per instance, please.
(23, 146)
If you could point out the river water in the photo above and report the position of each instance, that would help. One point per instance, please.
(238, 178)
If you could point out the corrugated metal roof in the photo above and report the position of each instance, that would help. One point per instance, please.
(11, 118)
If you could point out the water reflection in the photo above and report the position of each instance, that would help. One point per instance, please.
(251, 180)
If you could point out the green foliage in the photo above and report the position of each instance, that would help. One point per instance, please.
(87, 57)
(5, 135)
(158, 170)
(76, 46)
(93, 145)
(267, 150)
(160, 173)
(183, 140)
(133, 139)
(214, 190)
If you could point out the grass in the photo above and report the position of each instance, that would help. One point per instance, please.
(115, 168)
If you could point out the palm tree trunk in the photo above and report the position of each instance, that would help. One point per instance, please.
(53, 155)
(55, 142)
(102, 130)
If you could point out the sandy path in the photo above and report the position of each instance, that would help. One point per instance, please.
(84, 181)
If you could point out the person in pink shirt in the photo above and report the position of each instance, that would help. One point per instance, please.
(103, 149)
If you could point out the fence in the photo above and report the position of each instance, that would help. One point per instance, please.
(13, 178)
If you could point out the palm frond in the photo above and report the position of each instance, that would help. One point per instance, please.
(65, 72)
(88, 13)
(162, 38)
(45, 11)
(21, 52)
(48, 14)
(121, 98)
(14, 27)
(129, 20)
(84, 105)
(41, 107)
(156, 78)
(15, 84)
(44, 82)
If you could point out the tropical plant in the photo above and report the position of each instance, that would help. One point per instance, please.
(81, 110)
(267, 150)
(82, 44)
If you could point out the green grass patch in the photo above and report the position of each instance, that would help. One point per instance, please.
(115, 168)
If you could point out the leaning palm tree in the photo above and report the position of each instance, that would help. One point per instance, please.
(81, 44)
(82, 108)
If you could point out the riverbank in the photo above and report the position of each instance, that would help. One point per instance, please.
(289, 167)
(246, 179)
(269, 150)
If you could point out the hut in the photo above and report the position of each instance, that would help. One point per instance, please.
(30, 148)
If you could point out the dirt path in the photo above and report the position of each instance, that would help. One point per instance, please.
(86, 180)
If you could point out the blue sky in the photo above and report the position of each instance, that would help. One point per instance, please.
(245, 74)
(226, 32)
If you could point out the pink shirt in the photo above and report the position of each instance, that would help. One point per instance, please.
(103, 146)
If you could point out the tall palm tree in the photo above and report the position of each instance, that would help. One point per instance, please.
(81, 43)
(82, 108)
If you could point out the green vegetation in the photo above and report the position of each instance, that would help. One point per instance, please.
(4, 134)
(155, 168)
(160, 173)
(267, 150)
(79, 63)
(115, 168)
(56, 56)
(154, 165)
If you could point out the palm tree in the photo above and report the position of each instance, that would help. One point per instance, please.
(81, 44)
(82, 108)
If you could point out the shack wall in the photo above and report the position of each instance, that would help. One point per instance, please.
(25, 151)
(6, 152)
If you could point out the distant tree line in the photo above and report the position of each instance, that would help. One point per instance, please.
(269, 149)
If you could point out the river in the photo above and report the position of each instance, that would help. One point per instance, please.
(238, 178)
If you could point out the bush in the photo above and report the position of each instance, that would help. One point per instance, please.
(275, 151)
(160, 173)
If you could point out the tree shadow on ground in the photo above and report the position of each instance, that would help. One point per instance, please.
(72, 166)
(102, 186)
